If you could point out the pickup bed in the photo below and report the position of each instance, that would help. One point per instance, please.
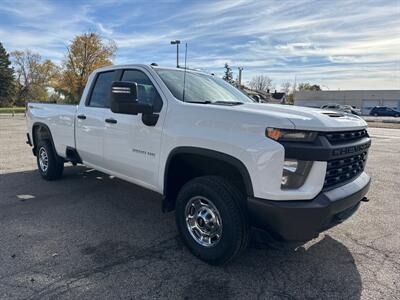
(221, 161)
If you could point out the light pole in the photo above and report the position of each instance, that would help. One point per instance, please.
(176, 42)
(240, 77)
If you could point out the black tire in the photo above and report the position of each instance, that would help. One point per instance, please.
(55, 164)
(231, 208)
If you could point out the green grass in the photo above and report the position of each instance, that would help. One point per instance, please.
(10, 110)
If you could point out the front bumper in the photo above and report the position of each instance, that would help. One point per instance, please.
(302, 220)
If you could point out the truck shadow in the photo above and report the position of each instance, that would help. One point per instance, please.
(110, 233)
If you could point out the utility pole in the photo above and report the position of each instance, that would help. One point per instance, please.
(176, 42)
(240, 77)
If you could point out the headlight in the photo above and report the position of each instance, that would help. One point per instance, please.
(295, 173)
(290, 135)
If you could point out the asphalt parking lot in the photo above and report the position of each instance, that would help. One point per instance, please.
(89, 236)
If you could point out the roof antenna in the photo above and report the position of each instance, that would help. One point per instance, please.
(184, 75)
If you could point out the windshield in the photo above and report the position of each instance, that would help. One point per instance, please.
(200, 87)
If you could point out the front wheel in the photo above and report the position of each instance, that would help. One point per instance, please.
(211, 218)
(50, 165)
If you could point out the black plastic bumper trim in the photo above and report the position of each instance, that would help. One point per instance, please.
(302, 220)
(322, 150)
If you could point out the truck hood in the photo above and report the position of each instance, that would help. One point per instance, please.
(305, 118)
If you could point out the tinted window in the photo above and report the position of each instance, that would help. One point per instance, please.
(101, 91)
(147, 93)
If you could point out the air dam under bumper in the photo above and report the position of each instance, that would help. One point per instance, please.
(303, 220)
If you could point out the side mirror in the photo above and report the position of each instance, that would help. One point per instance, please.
(124, 99)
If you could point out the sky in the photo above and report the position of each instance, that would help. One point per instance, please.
(336, 44)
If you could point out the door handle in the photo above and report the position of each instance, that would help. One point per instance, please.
(82, 117)
(111, 120)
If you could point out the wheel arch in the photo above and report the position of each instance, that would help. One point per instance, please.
(41, 131)
(194, 162)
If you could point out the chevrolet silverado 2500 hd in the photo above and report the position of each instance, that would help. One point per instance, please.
(221, 161)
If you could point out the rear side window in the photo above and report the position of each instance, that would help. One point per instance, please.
(101, 90)
(147, 92)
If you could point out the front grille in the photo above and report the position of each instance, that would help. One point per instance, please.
(344, 170)
(345, 136)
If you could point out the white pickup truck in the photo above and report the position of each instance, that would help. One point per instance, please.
(221, 161)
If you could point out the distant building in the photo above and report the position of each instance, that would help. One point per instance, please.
(266, 96)
(364, 100)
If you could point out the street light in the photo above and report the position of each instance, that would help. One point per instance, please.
(240, 77)
(176, 42)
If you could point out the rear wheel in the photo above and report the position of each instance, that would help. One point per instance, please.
(211, 219)
(50, 165)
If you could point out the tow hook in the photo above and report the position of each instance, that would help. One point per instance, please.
(365, 199)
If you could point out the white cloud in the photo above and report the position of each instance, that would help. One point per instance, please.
(104, 29)
(335, 43)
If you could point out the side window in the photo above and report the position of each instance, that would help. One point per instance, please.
(101, 90)
(146, 91)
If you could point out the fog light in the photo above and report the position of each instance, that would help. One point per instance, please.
(294, 173)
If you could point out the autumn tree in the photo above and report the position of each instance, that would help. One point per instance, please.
(7, 86)
(228, 74)
(34, 76)
(86, 53)
(261, 83)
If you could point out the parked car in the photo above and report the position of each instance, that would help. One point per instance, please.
(221, 161)
(344, 108)
(354, 110)
(384, 111)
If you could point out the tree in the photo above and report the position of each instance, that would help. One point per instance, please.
(261, 83)
(285, 87)
(34, 76)
(228, 74)
(290, 99)
(308, 87)
(7, 85)
(86, 53)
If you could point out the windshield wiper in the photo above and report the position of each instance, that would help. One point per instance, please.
(227, 102)
(216, 102)
(199, 102)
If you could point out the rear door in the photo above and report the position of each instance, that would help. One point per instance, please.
(90, 120)
(131, 148)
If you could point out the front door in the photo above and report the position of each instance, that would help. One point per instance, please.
(132, 148)
(90, 122)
